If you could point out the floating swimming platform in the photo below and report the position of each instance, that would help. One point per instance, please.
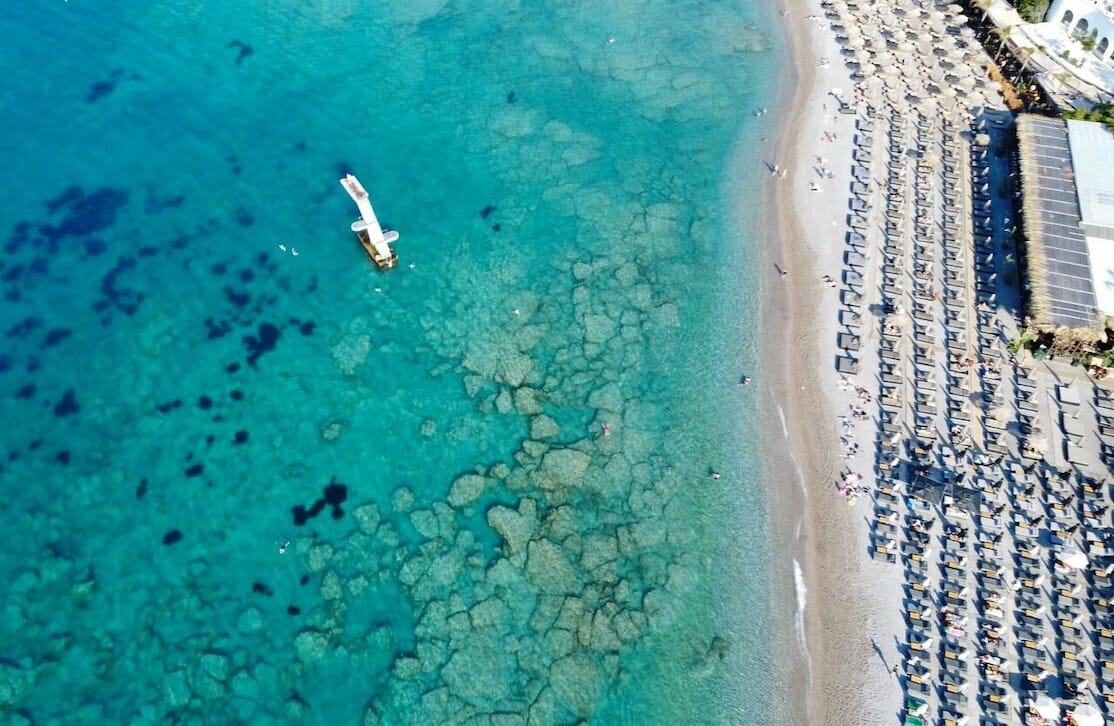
(375, 241)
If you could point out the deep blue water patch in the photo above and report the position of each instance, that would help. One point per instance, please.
(243, 217)
(24, 327)
(87, 214)
(244, 48)
(20, 236)
(334, 496)
(124, 299)
(70, 195)
(55, 336)
(262, 343)
(67, 406)
(100, 89)
(238, 299)
(215, 329)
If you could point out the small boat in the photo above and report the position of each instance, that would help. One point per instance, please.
(376, 242)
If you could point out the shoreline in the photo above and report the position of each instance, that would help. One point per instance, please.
(841, 622)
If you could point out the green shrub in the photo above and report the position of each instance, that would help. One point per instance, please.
(1032, 10)
(1103, 113)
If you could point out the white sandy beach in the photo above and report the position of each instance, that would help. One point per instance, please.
(930, 183)
(853, 617)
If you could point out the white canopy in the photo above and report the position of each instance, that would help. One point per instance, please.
(1087, 715)
(1046, 707)
(1074, 557)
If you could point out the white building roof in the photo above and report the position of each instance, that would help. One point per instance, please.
(1092, 158)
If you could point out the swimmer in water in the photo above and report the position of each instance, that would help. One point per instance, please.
(745, 381)
(606, 430)
(716, 475)
(283, 546)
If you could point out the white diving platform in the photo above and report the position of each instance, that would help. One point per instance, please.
(375, 241)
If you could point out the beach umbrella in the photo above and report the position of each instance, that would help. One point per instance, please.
(1087, 715)
(1046, 707)
(1073, 557)
(906, 47)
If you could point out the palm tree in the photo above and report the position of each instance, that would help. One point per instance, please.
(1003, 36)
(1023, 56)
(983, 5)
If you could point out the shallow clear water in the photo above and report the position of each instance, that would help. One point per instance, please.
(578, 212)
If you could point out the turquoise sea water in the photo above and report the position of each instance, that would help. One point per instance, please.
(574, 186)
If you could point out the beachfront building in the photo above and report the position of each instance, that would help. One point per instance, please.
(1070, 54)
(1086, 20)
(1079, 36)
(1068, 216)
